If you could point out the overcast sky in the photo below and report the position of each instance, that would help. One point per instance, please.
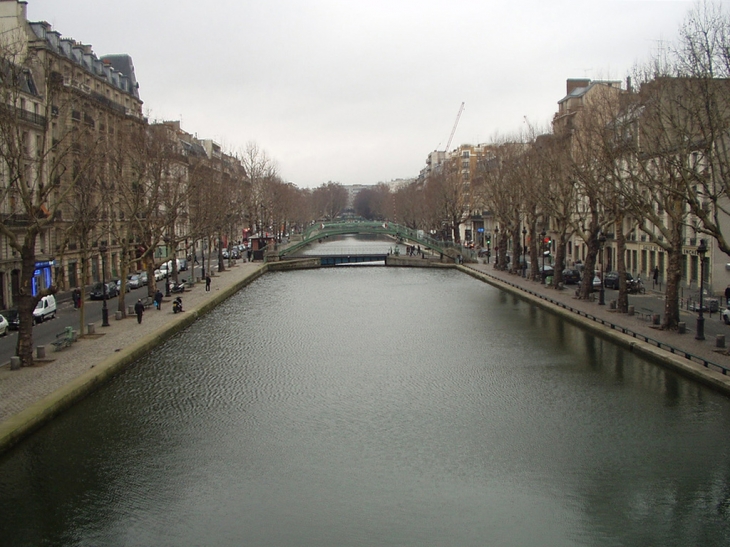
(360, 92)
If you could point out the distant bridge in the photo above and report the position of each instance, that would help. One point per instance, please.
(321, 231)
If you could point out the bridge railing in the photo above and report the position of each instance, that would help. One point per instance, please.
(325, 229)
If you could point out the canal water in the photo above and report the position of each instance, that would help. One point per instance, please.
(373, 406)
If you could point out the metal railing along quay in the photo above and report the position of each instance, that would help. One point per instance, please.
(613, 326)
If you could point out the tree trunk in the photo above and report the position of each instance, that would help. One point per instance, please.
(26, 302)
(674, 278)
(622, 304)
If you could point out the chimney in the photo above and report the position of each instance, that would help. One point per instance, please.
(574, 83)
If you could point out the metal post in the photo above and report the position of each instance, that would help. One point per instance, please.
(542, 250)
(104, 310)
(601, 294)
(524, 252)
(701, 250)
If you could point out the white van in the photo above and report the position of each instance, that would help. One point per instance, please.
(46, 308)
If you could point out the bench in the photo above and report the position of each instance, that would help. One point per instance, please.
(645, 313)
(148, 302)
(64, 339)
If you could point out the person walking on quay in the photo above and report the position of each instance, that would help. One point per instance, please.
(727, 296)
(76, 295)
(656, 275)
(158, 299)
(207, 282)
(139, 310)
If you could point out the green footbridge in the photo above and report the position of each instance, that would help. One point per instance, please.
(317, 233)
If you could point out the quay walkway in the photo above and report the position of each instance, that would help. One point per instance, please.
(31, 396)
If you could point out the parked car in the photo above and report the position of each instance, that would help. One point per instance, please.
(159, 274)
(134, 281)
(4, 325)
(182, 264)
(143, 278)
(726, 316)
(596, 283)
(571, 276)
(13, 319)
(611, 280)
(546, 271)
(97, 291)
(46, 308)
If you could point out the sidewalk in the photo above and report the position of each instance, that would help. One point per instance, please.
(33, 386)
(683, 343)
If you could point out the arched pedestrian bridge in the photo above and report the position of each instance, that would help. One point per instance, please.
(401, 234)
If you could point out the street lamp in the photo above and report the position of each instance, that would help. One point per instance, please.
(524, 252)
(496, 247)
(104, 310)
(701, 250)
(167, 266)
(601, 294)
(542, 250)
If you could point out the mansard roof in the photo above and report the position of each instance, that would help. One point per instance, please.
(117, 70)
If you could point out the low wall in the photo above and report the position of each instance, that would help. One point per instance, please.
(416, 262)
(294, 264)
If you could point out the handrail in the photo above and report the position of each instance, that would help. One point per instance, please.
(321, 230)
(661, 345)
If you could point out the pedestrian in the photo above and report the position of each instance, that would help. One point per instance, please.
(727, 296)
(207, 282)
(76, 295)
(656, 275)
(158, 299)
(139, 310)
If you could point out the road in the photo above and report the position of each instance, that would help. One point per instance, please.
(66, 316)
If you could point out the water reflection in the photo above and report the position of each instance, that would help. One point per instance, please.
(378, 406)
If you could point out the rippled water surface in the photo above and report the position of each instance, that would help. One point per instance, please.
(378, 406)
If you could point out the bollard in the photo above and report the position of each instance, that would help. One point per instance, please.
(14, 362)
(631, 310)
(681, 327)
(75, 335)
(130, 310)
(118, 315)
(40, 352)
(90, 329)
(655, 319)
(612, 304)
(720, 341)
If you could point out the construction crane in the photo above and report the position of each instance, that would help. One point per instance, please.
(458, 116)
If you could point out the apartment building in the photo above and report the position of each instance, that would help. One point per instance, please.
(68, 100)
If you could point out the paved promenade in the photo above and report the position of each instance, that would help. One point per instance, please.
(31, 396)
(32, 390)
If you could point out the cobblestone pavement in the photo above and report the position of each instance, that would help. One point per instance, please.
(706, 349)
(20, 389)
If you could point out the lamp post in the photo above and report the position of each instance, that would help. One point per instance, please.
(701, 250)
(104, 310)
(496, 247)
(167, 266)
(542, 250)
(601, 294)
(489, 246)
(524, 252)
